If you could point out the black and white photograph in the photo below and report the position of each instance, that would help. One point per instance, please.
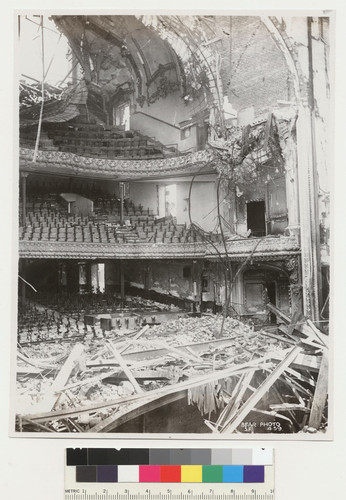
(173, 224)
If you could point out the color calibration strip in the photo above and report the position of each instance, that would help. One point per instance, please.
(170, 473)
(105, 465)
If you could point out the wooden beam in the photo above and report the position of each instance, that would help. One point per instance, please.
(193, 382)
(264, 387)
(39, 426)
(236, 398)
(90, 380)
(130, 340)
(36, 363)
(322, 337)
(279, 314)
(321, 393)
(24, 370)
(289, 407)
(48, 403)
(135, 410)
(303, 362)
(124, 367)
(198, 347)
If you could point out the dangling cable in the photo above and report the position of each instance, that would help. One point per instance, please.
(42, 92)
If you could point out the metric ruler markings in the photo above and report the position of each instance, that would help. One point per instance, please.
(221, 496)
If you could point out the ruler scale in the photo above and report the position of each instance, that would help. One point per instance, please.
(237, 474)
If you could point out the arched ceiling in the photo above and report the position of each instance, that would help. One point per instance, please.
(145, 56)
(120, 53)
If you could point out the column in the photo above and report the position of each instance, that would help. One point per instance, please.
(121, 188)
(82, 277)
(23, 177)
(122, 282)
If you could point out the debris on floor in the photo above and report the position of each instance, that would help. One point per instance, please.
(246, 381)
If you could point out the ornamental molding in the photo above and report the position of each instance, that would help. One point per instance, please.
(270, 248)
(61, 162)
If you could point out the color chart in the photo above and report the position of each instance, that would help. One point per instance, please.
(182, 474)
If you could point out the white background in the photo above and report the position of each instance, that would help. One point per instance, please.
(32, 468)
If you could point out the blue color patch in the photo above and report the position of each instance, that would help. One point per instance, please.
(233, 474)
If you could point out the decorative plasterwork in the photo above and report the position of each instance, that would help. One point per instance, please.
(268, 248)
(60, 162)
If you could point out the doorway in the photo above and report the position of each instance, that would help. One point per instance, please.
(262, 285)
(256, 218)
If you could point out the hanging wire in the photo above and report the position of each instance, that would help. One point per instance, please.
(42, 91)
(53, 56)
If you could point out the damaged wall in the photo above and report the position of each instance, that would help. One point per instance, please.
(248, 73)
(203, 204)
(171, 110)
(194, 280)
(173, 278)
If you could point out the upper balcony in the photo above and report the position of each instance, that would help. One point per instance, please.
(47, 234)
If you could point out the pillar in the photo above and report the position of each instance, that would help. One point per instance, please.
(121, 188)
(23, 177)
(308, 236)
(122, 282)
(82, 277)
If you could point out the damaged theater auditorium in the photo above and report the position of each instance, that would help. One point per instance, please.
(174, 228)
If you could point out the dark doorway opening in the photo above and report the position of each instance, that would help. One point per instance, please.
(256, 218)
(271, 294)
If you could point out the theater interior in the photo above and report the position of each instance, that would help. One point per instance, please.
(173, 229)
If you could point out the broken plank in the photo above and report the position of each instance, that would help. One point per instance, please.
(152, 354)
(292, 383)
(135, 410)
(39, 426)
(130, 341)
(86, 381)
(322, 337)
(292, 323)
(301, 377)
(278, 337)
(289, 407)
(175, 351)
(236, 397)
(134, 364)
(320, 396)
(279, 314)
(124, 367)
(156, 374)
(24, 370)
(59, 382)
(193, 382)
(36, 363)
(264, 387)
(303, 361)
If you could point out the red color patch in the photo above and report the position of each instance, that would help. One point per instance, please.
(170, 473)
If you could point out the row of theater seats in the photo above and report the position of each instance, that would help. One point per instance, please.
(49, 221)
(76, 306)
(93, 140)
(102, 205)
(37, 325)
(71, 228)
(55, 316)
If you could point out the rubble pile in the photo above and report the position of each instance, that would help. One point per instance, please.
(99, 381)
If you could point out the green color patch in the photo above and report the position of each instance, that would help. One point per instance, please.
(212, 474)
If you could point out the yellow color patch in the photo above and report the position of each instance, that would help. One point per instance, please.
(191, 473)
